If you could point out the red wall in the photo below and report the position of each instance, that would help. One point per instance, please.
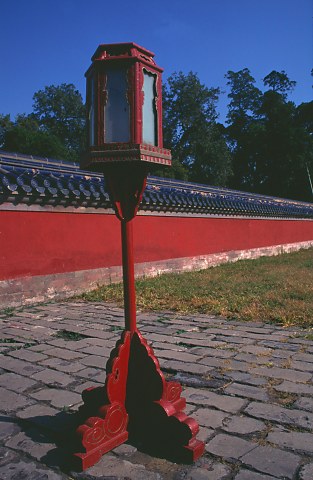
(40, 243)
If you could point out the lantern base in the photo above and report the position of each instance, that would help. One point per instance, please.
(138, 404)
(97, 158)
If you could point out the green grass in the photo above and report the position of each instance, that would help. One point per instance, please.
(70, 336)
(271, 289)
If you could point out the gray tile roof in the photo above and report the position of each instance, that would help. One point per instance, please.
(41, 181)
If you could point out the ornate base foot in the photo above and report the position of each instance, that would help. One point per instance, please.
(136, 403)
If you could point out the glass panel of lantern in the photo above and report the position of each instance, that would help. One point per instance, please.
(116, 109)
(149, 113)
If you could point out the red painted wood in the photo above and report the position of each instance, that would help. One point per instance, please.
(103, 416)
(128, 275)
(136, 402)
(40, 243)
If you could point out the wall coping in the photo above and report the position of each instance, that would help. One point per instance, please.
(43, 184)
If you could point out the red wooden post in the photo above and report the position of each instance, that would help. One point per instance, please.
(124, 103)
(128, 275)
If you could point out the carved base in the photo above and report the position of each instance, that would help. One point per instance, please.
(136, 403)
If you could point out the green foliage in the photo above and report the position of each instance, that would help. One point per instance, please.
(267, 146)
(272, 149)
(33, 142)
(191, 131)
(60, 112)
(55, 129)
(279, 82)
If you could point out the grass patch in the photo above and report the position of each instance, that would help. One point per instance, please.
(70, 336)
(270, 289)
(8, 311)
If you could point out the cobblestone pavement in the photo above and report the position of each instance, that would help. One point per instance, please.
(249, 385)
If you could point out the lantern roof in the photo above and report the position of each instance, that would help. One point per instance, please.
(129, 51)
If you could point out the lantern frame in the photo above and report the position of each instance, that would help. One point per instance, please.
(137, 64)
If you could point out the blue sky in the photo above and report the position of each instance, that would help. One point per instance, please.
(45, 42)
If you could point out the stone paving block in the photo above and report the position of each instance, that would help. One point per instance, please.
(231, 364)
(209, 418)
(248, 391)
(19, 366)
(11, 401)
(156, 337)
(213, 352)
(32, 442)
(41, 347)
(247, 378)
(229, 447)
(272, 461)
(214, 362)
(28, 355)
(7, 456)
(116, 467)
(57, 398)
(283, 373)
(260, 360)
(124, 450)
(242, 425)
(96, 350)
(64, 354)
(175, 366)
(83, 386)
(47, 417)
(8, 427)
(283, 354)
(161, 346)
(306, 472)
(211, 399)
(256, 350)
(75, 345)
(301, 441)
(279, 414)
(292, 387)
(22, 470)
(89, 373)
(216, 471)
(100, 342)
(90, 332)
(53, 377)
(15, 382)
(239, 340)
(94, 361)
(63, 365)
(178, 356)
(204, 433)
(302, 366)
(304, 403)
(303, 357)
(248, 475)
(204, 341)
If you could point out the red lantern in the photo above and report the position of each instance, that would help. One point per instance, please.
(124, 105)
(124, 102)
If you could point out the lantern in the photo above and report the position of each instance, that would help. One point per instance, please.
(124, 105)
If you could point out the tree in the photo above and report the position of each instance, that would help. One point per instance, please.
(56, 128)
(25, 136)
(279, 82)
(60, 112)
(244, 129)
(269, 136)
(5, 124)
(191, 131)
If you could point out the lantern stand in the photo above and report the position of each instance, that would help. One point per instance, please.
(136, 403)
